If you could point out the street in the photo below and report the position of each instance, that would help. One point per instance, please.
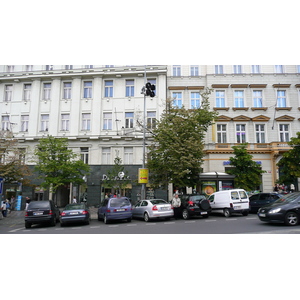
(215, 224)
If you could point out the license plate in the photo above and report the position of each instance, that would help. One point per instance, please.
(74, 213)
(262, 215)
(203, 212)
(38, 213)
(237, 207)
(121, 209)
(164, 208)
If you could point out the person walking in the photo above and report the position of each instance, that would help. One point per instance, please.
(74, 200)
(3, 208)
(27, 202)
(292, 188)
(176, 203)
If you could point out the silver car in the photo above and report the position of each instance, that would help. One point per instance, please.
(152, 209)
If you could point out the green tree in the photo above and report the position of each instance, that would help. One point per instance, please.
(177, 152)
(247, 172)
(290, 162)
(57, 165)
(117, 178)
(12, 163)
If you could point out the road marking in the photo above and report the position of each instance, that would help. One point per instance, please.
(210, 220)
(131, 224)
(16, 230)
(230, 219)
(255, 218)
(59, 228)
(94, 226)
(189, 221)
(167, 223)
(76, 228)
(151, 224)
(113, 225)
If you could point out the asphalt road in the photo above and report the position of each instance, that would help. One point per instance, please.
(215, 224)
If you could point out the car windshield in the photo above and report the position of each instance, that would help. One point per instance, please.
(197, 198)
(158, 201)
(39, 205)
(119, 202)
(293, 197)
(74, 206)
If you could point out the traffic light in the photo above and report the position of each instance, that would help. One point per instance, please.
(150, 88)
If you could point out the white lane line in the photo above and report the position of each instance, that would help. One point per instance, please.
(131, 225)
(189, 221)
(255, 218)
(167, 223)
(59, 228)
(76, 228)
(94, 227)
(210, 220)
(113, 226)
(151, 224)
(15, 230)
(230, 219)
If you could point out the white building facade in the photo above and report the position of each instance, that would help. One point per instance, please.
(99, 109)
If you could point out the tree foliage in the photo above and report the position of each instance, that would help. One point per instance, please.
(177, 152)
(290, 162)
(117, 178)
(12, 164)
(247, 172)
(57, 164)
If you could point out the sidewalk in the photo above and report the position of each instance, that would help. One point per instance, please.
(16, 217)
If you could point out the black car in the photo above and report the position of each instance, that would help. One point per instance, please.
(41, 212)
(286, 210)
(259, 200)
(194, 205)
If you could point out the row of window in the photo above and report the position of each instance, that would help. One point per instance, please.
(67, 90)
(65, 121)
(106, 158)
(238, 98)
(260, 133)
(30, 68)
(236, 69)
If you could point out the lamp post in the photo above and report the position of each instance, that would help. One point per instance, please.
(147, 90)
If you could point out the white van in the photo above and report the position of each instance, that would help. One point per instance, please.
(230, 201)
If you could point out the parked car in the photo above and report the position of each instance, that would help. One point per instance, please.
(75, 213)
(229, 202)
(115, 209)
(194, 205)
(41, 212)
(259, 200)
(286, 210)
(152, 209)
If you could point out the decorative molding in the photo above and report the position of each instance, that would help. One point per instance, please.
(280, 85)
(260, 118)
(256, 86)
(284, 108)
(241, 118)
(223, 118)
(239, 86)
(240, 108)
(219, 86)
(221, 108)
(285, 118)
(259, 108)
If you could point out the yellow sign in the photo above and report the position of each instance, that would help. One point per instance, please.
(143, 175)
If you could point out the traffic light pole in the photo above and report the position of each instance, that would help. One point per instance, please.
(143, 191)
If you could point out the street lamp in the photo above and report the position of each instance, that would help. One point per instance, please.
(148, 90)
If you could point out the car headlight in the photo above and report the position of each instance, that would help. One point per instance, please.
(274, 211)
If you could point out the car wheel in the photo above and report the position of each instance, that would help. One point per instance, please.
(27, 225)
(146, 217)
(291, 218)
(185, 214)
(227, 212)
(105, 220)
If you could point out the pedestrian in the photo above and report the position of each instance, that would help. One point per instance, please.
(8, 207)
(3, 208)
(74, 200)
(28, 200)
(292, 188)
(176, 203)
(13, 202)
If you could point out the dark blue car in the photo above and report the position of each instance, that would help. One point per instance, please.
(115, 209)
